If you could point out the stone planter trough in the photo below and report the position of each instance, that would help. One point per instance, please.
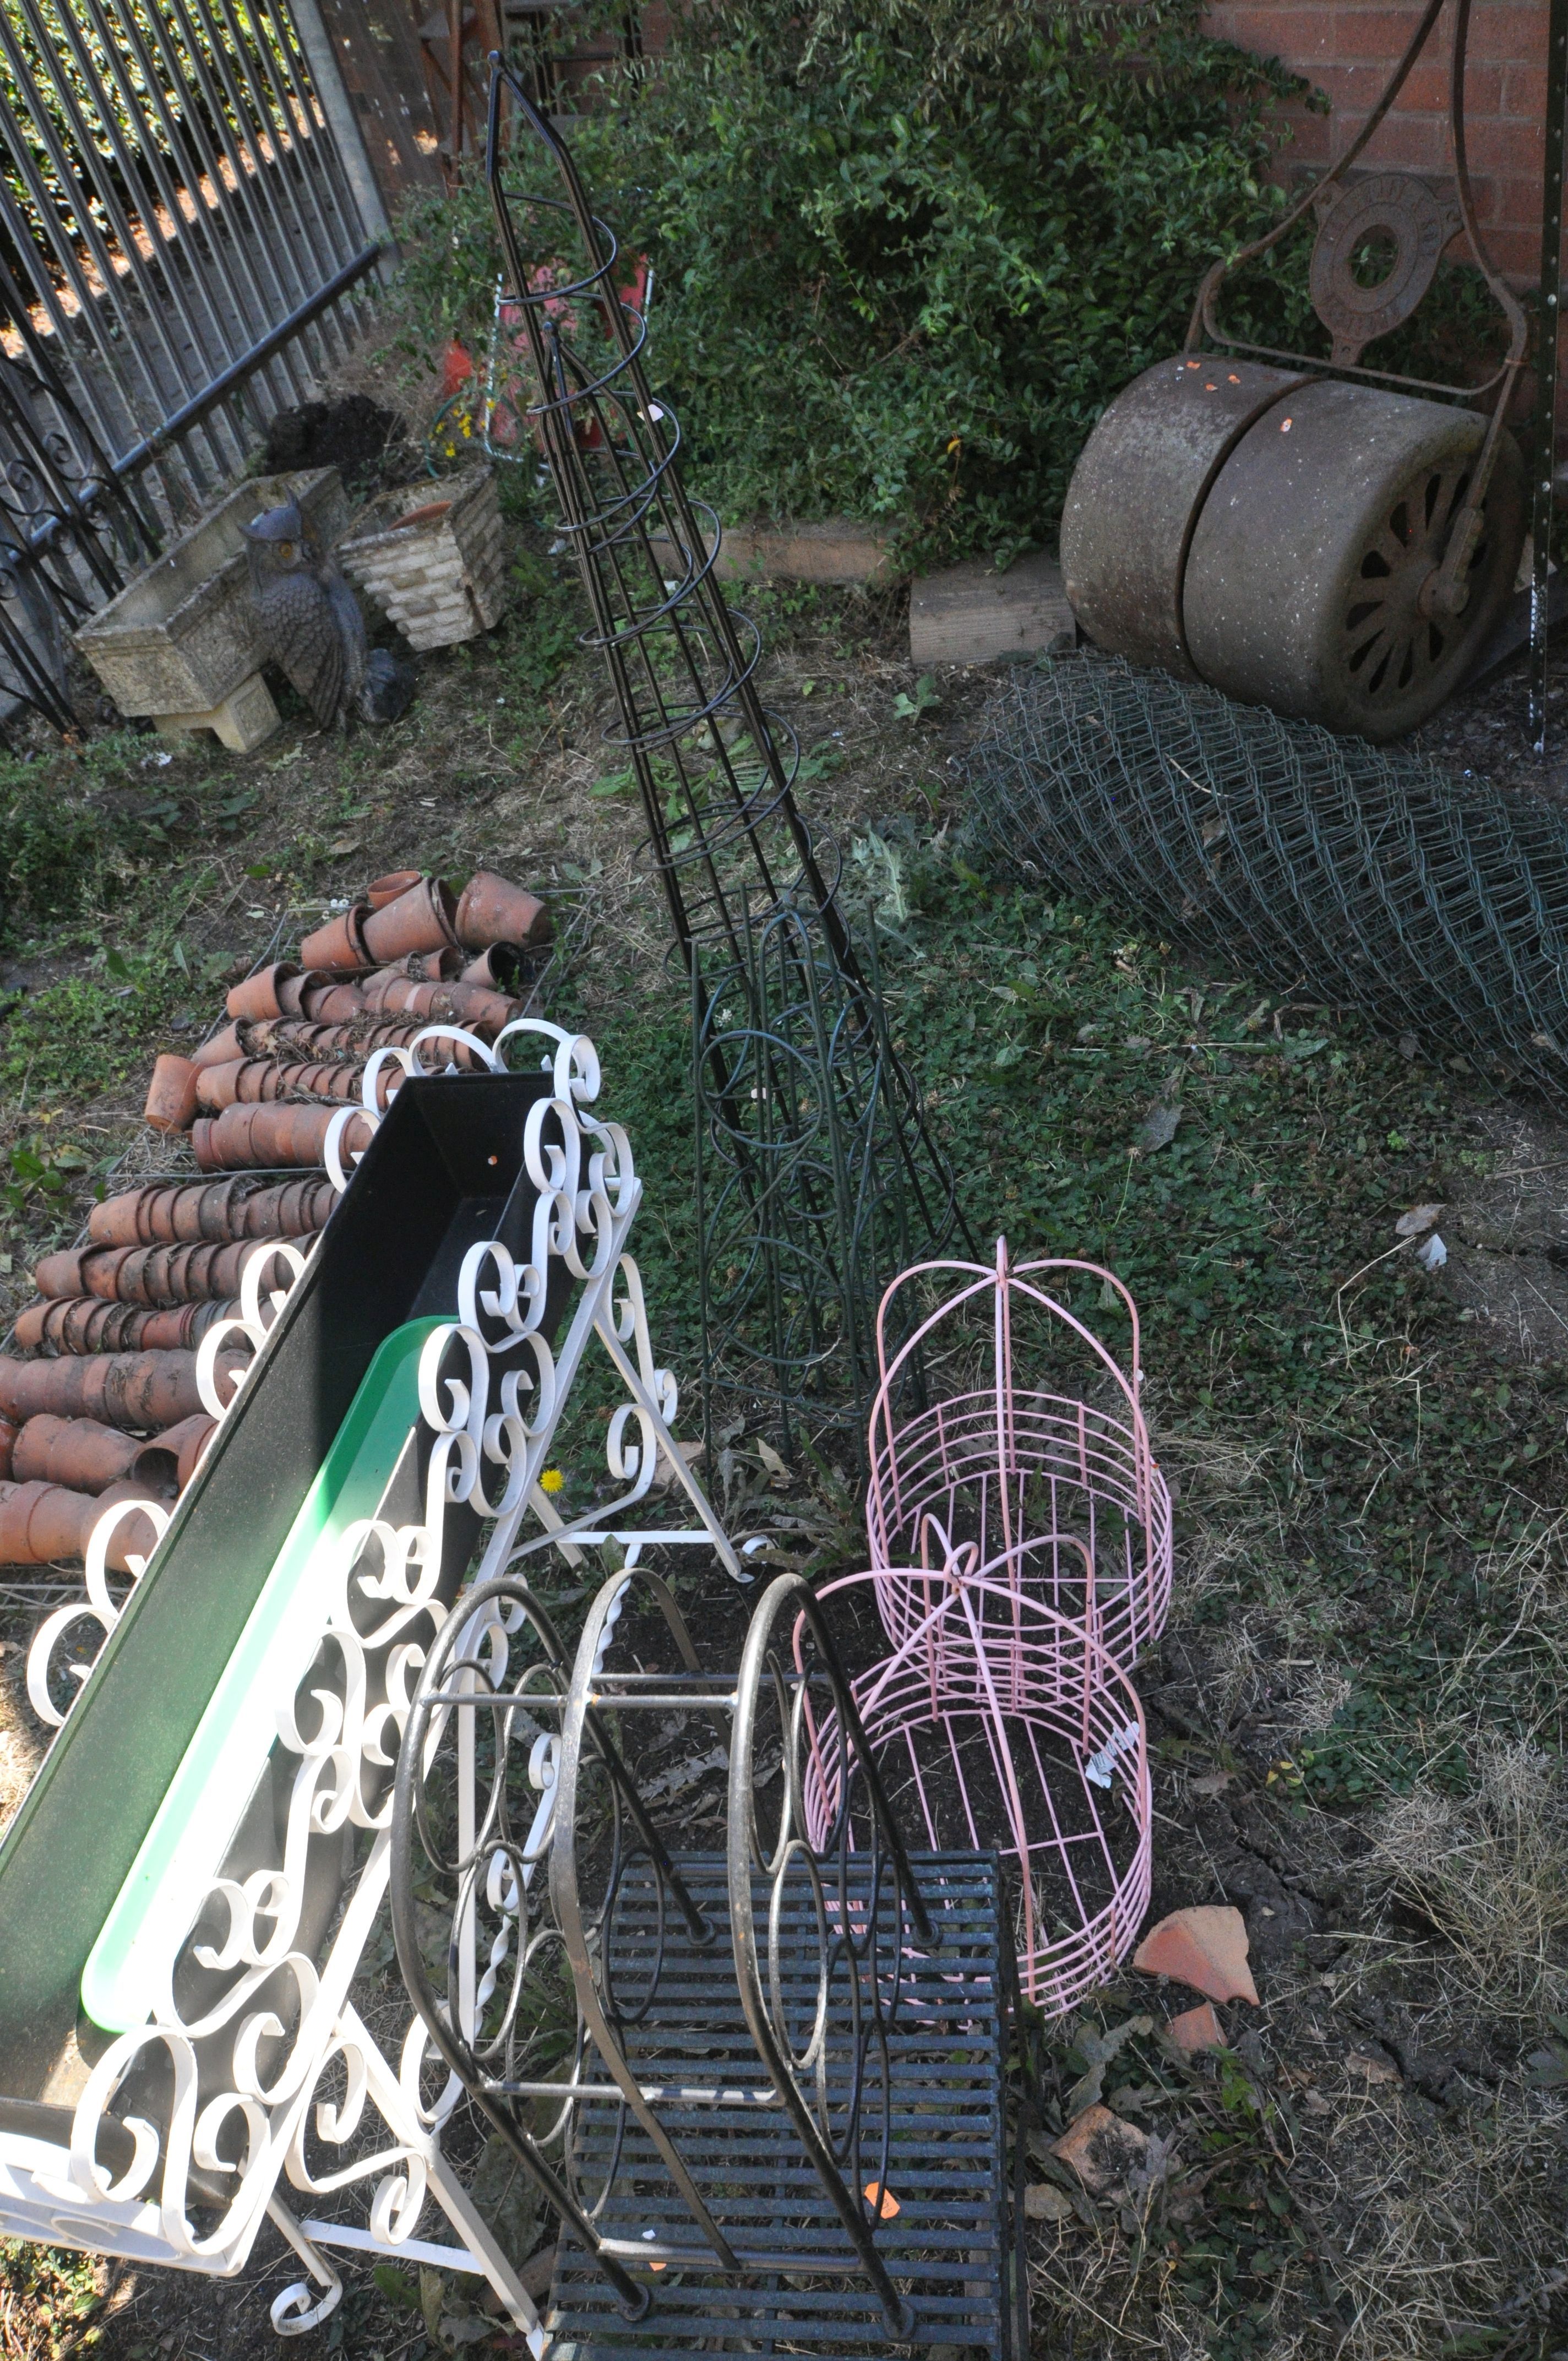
(180, 643)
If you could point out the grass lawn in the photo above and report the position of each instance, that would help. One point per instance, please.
(1356, 1712)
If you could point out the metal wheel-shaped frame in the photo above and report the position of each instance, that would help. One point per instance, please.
(790, 1656)
(461, 1678)
(1396, 656)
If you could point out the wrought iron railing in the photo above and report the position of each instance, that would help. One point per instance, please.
(179, 243)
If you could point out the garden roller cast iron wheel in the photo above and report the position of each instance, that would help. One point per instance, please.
(1281, 536)
(1316, 536)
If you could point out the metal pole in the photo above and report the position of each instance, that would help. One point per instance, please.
(1547, 342)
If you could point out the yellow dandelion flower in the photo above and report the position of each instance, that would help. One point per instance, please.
(551, 1480)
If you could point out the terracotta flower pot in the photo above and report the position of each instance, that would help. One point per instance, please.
(494, 910)
(258, 994)
(170, 1327)
(331, 1004)
(40, 1523)
(222, 1046)
(339, 946)
(163, 1214)
(389, 991)
(216, 1086)
(8, 1434)
(156, 1471)
(61, 1274)
(481, 1012)
(386, 889)
(420, 921)
(436, 967)
(172, 1096)
(142, 1392)
(498, 968)
(186, 1443)
(159, 1278)
(265, 1136)
(72, 1323)
(291, 993)
(77, 1452)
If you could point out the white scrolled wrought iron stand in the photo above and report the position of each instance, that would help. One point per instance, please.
(275, 2065)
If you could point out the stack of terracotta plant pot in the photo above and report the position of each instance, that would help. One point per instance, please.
(263, 1093)
(98, 1394)
(107, 1407)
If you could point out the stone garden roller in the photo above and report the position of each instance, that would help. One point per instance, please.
(1313, 534)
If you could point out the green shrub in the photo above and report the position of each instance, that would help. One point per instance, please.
(904, 253)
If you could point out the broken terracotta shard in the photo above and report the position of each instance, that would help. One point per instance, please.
(1197, 2030)
(1102, 2149)
(1204, 1947)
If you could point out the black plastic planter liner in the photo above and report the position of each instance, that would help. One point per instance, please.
(444, 1171)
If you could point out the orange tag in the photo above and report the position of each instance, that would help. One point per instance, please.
(881, 2201)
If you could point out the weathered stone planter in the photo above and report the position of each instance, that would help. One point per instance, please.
(431, 558)
(182, 643)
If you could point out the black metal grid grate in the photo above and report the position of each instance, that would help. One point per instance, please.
(947, 2247)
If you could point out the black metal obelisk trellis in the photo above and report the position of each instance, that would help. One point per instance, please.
(816, 1177)
(1548, 359)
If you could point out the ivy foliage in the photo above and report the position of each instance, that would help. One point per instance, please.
(904, 252)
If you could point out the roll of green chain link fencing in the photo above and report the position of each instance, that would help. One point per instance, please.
(1434, 904)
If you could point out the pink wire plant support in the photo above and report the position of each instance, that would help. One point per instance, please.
(1021, 1561)
(1032, 1742)
(1018, 1490)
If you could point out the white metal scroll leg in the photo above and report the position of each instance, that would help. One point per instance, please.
(294, 2312)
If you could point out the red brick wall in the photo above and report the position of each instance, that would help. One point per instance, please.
(1348, 47)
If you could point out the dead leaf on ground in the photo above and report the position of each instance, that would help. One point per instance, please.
(1043, 2203)
(778, 1474)
(685, 1775)
(1158, 1128)
(1419, 1218)
(1097, 2051)
(665, 1473)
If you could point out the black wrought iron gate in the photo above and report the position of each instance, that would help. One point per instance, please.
(182, 241)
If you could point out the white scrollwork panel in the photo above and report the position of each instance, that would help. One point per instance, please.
(97, 1605)
(301, 2068)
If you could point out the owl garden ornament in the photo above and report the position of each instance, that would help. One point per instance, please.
(312, 627)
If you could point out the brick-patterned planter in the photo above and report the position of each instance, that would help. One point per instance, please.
(431, 558)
